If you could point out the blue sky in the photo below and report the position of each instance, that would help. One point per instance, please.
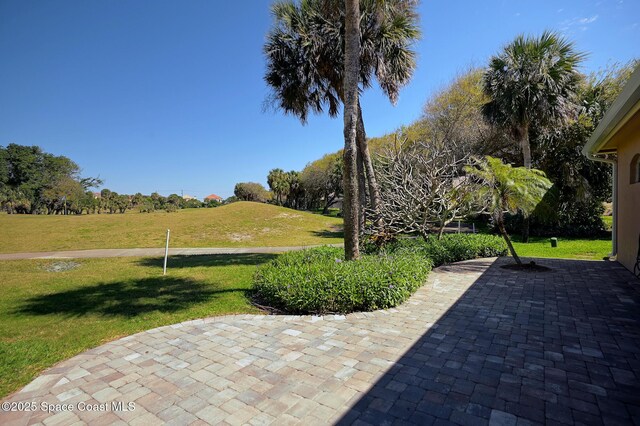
(168, 95)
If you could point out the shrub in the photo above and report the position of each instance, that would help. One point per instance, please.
(374, 242)
(319, 281)
(452, 247)
(582, 219)
(146, 207)
(251, 191)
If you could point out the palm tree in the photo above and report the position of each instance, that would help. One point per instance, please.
(305, 53)
(507, 189)
(278, 182)
(532, 83)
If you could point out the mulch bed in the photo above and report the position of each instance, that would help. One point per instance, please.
(526, 267)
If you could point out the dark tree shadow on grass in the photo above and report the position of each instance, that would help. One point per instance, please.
(329, 233)
(125, 299)
(194, 261)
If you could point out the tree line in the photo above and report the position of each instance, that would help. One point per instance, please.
(112, 202)
(452, 130)
(35, 182)
(317, 187)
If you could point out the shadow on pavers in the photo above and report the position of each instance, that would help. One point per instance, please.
(521, 348)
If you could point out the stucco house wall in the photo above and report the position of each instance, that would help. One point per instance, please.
(616, 141)
(627, 141)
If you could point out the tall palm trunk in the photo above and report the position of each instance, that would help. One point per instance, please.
(351, 74)
(366, 173)
(363, 146)
(526, 157)
(362, 189)
(525, 146)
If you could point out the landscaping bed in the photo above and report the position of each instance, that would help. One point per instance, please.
(319, 281)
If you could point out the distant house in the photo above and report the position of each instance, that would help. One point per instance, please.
(213, 197)
(188, 197)
(616, 141)
(97, 195)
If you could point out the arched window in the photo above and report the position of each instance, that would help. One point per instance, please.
(634, 173)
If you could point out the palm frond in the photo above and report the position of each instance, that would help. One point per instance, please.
(509, 188)
(305, 52)
(533, 80)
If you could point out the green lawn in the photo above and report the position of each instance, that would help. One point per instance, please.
(241, 224)
(46, 317)
(568, 248)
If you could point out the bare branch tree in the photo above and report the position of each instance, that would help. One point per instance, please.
(423, 187)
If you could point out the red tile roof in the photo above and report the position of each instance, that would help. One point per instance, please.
(213, 197)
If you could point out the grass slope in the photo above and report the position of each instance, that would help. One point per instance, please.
(242, 224)
(46, 317)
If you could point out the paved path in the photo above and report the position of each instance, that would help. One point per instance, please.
(477, 344)
(147, 252)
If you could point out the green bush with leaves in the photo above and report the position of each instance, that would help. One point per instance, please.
(451, 248)
(319, 281)
(146, 207)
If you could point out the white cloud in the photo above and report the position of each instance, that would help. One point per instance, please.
(585, 21)
(581, 23)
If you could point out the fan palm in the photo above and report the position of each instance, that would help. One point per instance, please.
(507, 189)
(278, 181)
(532, 82)
(305, 53)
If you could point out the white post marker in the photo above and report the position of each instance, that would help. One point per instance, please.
(458, 227)
(166, 254)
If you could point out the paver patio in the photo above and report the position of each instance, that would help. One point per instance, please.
(477, 344)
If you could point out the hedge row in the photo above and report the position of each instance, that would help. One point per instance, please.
(319, 281)
(452, 247)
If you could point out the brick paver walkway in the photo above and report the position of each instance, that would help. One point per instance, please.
(477, 344)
